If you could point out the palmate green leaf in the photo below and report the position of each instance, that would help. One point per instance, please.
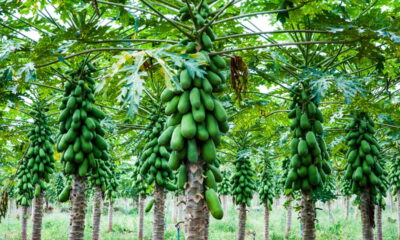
(7, 47)
(323, 82)
(28, 71)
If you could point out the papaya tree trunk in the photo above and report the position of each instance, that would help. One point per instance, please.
(329, 204)
(37, 217)
(175, 207)
(308, 217)
(24, 220)
(266, 221)
(110, 215)
(159, 205)
(347, 206)
(225, 204)
(288, 218)
(207, 221)
(97, 206)
(379, 233)
(195, 202)
(78, 208)
(391, 202)
(398, 214)
(141, 216)
(367, 215)
(242, 222)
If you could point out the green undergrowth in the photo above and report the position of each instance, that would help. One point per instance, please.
(55, 225)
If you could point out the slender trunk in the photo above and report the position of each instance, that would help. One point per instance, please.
(224, 204)
(110, 215)
(398, 214)
(97, 206)
(308, 217)
(141, 216)
(195, 202)
(159, 205)
(266, 221)
(24, 220)
(391, 202)
(367, 215)
(175, 210)
(329, 203)
(288, 218)
(78, 208)
(379, 223)
(242, 222)
(37, 217)
(347, 206)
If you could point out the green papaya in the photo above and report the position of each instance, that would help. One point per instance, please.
(208, 151)
(172, 105)
(214, 204)
(167, 95)
(192, 153)
(177, 142)
(149, 206)
(188, 126)
(183, 104)
(302, 148)
(185, 79)
(210, 180)
(182, 177)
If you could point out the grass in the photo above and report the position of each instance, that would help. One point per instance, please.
(55, 225)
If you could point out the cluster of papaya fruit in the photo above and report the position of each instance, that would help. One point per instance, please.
(24, 188)
(345, 188)
(394, 175)
(363, 168)
(112, 182)
(104, 177)
(38, 163)
(59, 183)
(224, 187)
(138, 182)
(266, 186)
(242, 181)
(309, 163)
(283, 176)
(155, 156)
(81, 136)
(196, 117)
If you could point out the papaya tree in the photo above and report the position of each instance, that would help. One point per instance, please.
(100, 181)
(80, 141)
(346, 192)
(364, 169)
(111, 194)
(24, 191)
(196, 121)
(266, 192)
(309, 163)
(40, 162)
(394, 180)
(156, 169)
(242, 181)
(289, 200)
(141, 188)
(224, 189)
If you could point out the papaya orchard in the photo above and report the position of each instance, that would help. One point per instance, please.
(199, 119)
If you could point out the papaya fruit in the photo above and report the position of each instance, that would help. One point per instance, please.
(214, 204)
